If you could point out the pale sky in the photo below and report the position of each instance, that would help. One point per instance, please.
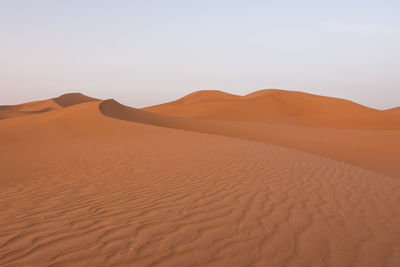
(147, 52)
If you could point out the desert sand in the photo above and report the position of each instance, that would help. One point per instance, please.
(280, 107)
(273, 178)
(11, 111)
(394, 110)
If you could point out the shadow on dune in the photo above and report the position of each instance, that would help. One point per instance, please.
(42, 106)
(73, 99)
(364, 148)
(113, 109)
(16, 113)
(243, 130)
(280, 107)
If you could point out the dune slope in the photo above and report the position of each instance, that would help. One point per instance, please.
(205, 96)
(67, 100)
(394, 110)
(83, 189)
(375, 150)
(282, 108)
(11, 111)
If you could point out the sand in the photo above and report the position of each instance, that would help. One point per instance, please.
(11, 111)
(282, 108)
(376, 150)
(101, 184)
(394, 110)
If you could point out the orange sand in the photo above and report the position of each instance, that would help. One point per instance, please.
(377, 150)
(101, 184)
(394, 110)
(280, 107)
(11, 111)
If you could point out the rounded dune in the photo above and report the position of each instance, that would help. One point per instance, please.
(193, 99)
(285, 108)
(376, 150)
(262, 92)
(66, 100)
(394, 110)
(70, 99)
(11, 111)
(206, 96)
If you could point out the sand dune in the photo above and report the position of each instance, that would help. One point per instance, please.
(204, 96)
(11, 111)
(83, 189)
(282, 108)
(394, 110)
(375, 150)
(73, 99)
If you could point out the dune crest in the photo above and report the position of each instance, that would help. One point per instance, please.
(206, 96)
(283, 108)
(263, 92)
(66, 100)
(374, 150)
(11, 111)
(70, 99)
(394, 110)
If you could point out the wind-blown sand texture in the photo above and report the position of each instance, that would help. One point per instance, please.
(101, 184)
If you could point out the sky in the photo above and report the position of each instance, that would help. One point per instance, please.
(147, 52)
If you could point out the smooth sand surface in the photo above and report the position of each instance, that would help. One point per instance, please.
(73, 99)
(281, 107)
(11, 111)
(98, 184)
(394, 110)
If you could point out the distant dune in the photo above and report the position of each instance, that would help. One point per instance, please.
(11, 111)
(205, 96)
(73, 99)
(394, 110)
(97, 183)
(375, 150)
(281, 107)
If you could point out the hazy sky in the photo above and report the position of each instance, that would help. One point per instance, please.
(148, 52)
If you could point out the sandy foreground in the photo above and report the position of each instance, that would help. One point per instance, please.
(95, 183)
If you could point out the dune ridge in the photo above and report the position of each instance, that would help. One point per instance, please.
(11, 111)
(374, 150)
(106, 191)
(394, 110)
(205, 96)
(70, 99)
(66, 100)
(283, 108)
